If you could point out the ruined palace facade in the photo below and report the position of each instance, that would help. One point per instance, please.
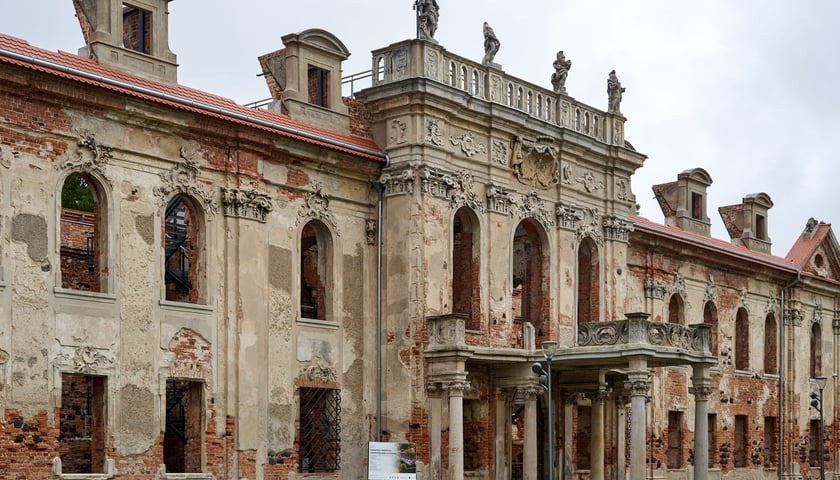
(195, 289)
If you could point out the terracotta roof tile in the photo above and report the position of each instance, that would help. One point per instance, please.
(171, 94)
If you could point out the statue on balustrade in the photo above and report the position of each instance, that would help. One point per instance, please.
(427, 19)
(561, 71)
(614, 93)
(491, 44)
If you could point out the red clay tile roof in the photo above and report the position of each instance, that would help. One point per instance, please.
(68, 66)
(803, 249)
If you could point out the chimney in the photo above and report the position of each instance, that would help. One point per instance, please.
(131, 36)
(684, 202)
(747, 222)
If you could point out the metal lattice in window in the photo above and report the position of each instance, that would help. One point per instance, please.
(320, 430)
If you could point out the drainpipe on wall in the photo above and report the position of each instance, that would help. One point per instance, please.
(782, 467)
(379, 192)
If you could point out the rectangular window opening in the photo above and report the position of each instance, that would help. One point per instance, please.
(475, 427)
(137, 29)
(760, 228)
(82, 424)
(184, 435)
(814, 443)
(583, 437)
(741, 441)
(712, 439)
(319, 86)
(675, 457)
(697, 206)
(319, 436)
(771, 434)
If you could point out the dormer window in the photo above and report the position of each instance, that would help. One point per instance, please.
(760, 227)
(319, 80)
(696, 206)
(137, 29)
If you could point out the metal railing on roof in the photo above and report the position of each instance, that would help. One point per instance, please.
(352, 80)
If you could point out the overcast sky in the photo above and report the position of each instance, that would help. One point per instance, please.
(748, 90)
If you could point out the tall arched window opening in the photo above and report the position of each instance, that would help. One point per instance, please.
(315, 271)
(742, 340)
(182, 240)
(588, 297)
(676, 312)
(710, 317)
(815, 363)
(530, 277)
(83, 244)
(771, 352)
(466, 294)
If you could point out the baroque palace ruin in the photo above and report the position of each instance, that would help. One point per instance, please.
(195, 289)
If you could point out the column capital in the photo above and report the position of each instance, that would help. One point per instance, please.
(637, 387)
(599, 396)
(530, 392)
(434, 389)
(456, 388)
(700, 392)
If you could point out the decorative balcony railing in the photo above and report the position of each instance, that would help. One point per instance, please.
(636, 329)
(419, 59)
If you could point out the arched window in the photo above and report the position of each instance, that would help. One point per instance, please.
(577, 119)
(530, 277)
(510, 94)
(530, 102)
(586, 122)
(539, 106)
(464, 79)
(466, 263)
(771, 355)
(315, 271)
(182, 239)
(519, 98)
(710, 317)
(595, 125)
(84, 259)
(815, 363)
(742, 340)
(380, 69)
(453, 79)
(474, 86)
(548, 109)
(676, 313)
(588, 297)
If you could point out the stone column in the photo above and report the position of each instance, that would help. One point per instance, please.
(529, 446)
(568, 435)
(638, 384)
(435, 396)
(596, 449)
(701, 388)
(503, 434)
(456, 428)
(621, 439)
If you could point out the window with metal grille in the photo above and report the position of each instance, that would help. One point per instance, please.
(320, 430)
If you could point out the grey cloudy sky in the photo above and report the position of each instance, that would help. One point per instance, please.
(747, 89)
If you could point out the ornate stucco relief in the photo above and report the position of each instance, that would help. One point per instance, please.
(535, 162)
(398, 132)
(500, 200)
(531, 205)
(655, 289)
(499, 151)
(317, 205)
(434, 132)
(246, 204)
(468, 144)
(182, 178)
(91, 157)
(399, 181)
(589, 183)
(456, 187)
(617, 229)
(85, 359)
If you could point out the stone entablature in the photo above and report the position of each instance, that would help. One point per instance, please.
(419, 59)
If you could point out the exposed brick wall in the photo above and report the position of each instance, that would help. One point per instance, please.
(27, 447)
(79, 264)
(360, 121)
(137, 30)
(82, 424)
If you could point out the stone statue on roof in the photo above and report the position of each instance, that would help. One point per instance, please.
(427, 19)
(561, 71)
(614, 93)
(491, 44)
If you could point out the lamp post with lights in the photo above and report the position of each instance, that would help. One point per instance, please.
(817, 402)
(545, 379)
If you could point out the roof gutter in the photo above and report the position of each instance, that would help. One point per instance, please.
(192, 103)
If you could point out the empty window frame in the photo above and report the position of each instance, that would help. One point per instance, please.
(696, 206)
(760, 227)
(742, 340)
(319, 435)
(530, 277)
(710, 317)
(184, 434)
(319, 86)
(675, 309)
(182, 239)
(588, 297)
(814, 443)
(315, 271)
(741, 441)
(675, 440)
(815, 357)
(771, 349)
(466, 263)
(83, 243)
(771, 443)
(82, 424)
(137, 29)
(713, 428)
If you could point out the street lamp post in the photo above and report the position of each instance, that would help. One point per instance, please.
(817, 401)
(545, 380)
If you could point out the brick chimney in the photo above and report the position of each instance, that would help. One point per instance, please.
(129, 35)
(747, 222)
(684, 202)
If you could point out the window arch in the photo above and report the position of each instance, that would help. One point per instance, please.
(315, 271)
(676, 309)
(183, 255)
(588, 295)
(453, 76)
(466, 264)
(83, 234)
(710, 317)
(771, 352)
(742, 340)
(474, 85)
(530, 301)
(815, 360)
(465, 79)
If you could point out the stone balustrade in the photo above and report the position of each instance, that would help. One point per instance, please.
(636, 329)
(419, 59)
